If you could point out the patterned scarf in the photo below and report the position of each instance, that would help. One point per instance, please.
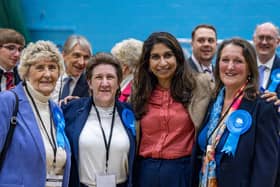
(216, 129)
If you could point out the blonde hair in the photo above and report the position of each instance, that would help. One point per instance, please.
(128, 52)
(40, 50)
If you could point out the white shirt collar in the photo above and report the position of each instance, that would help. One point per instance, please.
(268, 64)
(199, 66)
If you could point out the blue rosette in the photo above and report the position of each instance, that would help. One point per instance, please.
(237, 123)
(275, 80)
(60, 125)
(129, 120)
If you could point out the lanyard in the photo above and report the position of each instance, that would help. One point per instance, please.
(52, 139)
(238, 94)
(107, 144)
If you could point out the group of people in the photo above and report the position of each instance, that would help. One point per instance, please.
(142, 115)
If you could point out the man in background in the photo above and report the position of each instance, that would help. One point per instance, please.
(76, 53)
(11, 45)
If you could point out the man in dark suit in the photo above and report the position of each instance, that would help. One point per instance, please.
(76, 53)
(204, 44)
(266, 40)
(11, 45)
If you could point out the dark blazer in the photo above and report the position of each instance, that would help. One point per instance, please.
(76, 113)
(81, 89)
(16, 76)
(256, 160)
(276, 65)
(25, 161)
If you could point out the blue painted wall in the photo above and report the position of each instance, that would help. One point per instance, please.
(106, 22)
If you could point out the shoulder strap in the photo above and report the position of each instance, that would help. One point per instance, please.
(8, 140)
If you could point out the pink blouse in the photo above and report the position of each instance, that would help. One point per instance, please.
(167, 130)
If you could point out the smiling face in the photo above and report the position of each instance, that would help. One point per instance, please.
(104, 84)
(43, 76)
(204, 44)
(266, 41)
(9, 55)
(233, 67)
(76, 61)
(163, 64)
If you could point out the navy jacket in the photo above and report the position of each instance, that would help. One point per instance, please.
(76, 113)
(256, 160)
(81, 89)
(276, 65)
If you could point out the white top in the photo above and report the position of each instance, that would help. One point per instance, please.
(267, 71)
(42, 104)
(92, 151)
(126, 81)
(59, 86)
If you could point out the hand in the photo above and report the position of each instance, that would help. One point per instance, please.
(269, 96)
(67, 99)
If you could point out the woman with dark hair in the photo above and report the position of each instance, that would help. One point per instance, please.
(101, 129)
(169, 102)
(239, 142)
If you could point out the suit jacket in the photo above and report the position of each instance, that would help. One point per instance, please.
(16, 76)
(192, 64)
(255, 162)
(81, 89)
(25, 161)
(276, 65)
(76, 113)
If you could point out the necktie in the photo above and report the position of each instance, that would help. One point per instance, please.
(9, 80)
(66, 88)
(262, 68)
(207, 70)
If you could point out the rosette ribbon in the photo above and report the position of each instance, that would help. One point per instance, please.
(237, 123)
(129, 120)
(275, 78)
(60, 125)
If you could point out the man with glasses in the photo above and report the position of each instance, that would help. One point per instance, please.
(266, 40)
(11, 45)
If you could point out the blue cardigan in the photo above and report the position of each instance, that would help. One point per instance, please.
(25, 162)
(76, 113)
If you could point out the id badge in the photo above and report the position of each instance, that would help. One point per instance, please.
(105, 181)
(54, 180)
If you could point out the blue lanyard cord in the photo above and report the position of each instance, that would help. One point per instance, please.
(107, 144)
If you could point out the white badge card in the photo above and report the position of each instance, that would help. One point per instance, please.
(54, 180)
(106, 181)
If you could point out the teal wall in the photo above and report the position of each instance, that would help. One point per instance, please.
(108, 21)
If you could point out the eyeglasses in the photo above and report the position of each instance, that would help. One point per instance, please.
(12, 48)
(267, 38)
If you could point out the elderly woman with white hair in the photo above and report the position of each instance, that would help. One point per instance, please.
(39, 152)
(128, 53)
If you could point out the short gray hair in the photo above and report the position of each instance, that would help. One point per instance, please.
(74, 40)
(268, 24)
(40, 50)
(128, 52)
